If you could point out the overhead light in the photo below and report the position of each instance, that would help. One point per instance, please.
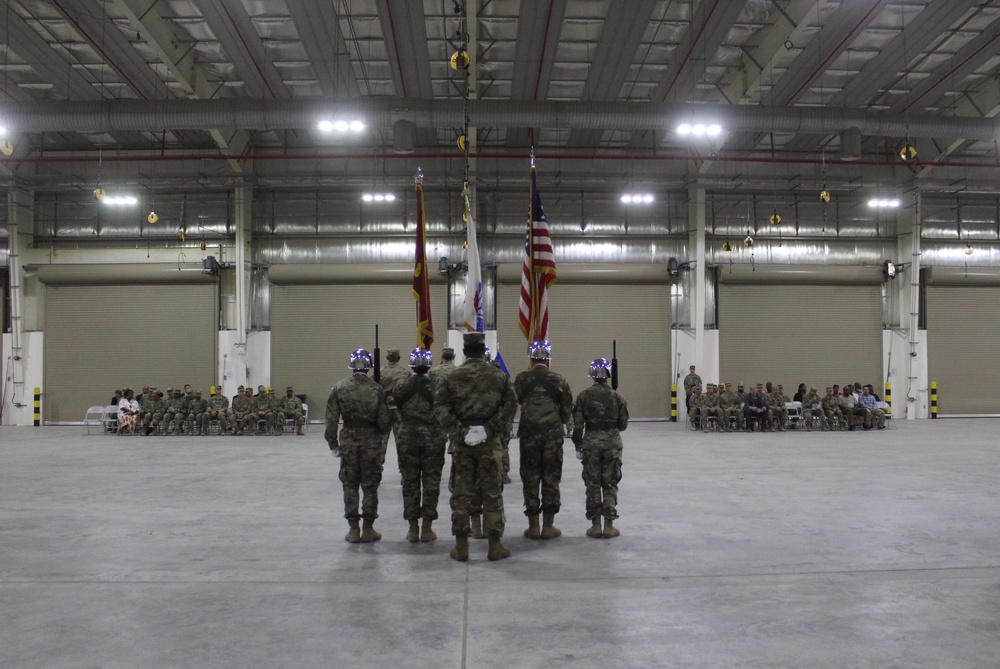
(714, 129)
(881, 203)
(389, 197)
(120, 200)
(698, 129)
(640, 198)
(367, 197)
(357, 126)
(684, 129)
(889, 269)
(340, 125)
(3, 131)
(378, 197)
(325, 126)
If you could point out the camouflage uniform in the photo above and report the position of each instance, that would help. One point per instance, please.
(831, 409)
(362, 404)
(242, 413)
(196, 414)
(391, 375)
(812, 398)
(174, 414)
(691, 381)
(777, 414)
(695, 408)
(476, 394)
(290, 408)
(546, 406)
(731, 405)
(604, 414)
(710, 409)
(420, 446)
(154, 414)
(218, 407)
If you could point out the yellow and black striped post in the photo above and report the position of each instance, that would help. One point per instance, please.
(888, 398)
(38, 407)
(933, 399)
(673, 402)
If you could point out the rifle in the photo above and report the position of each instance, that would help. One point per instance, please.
(377, 354)
(614, 364)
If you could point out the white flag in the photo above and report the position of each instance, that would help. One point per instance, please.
(472, 314)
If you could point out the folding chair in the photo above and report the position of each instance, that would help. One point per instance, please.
(109, 418)
(884, 406)
(93, 418)
(794, 410)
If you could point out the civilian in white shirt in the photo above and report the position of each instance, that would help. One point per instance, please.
(128, 413)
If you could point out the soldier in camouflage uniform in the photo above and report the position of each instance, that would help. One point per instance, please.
(174, 413)
(290, 408)
(476, 405)
(831, 409)
(604, 414)
(420, 446)
(154, 413)
(360, 445)
(505, 440)
(809, 400)
(446, 367)
(391, 375)
(731, 406)
(546, 415)
(242, 411)
(691, 381)
(218, 407)
(695, 409)
(777, 414)
(711, 409)
(195, 413)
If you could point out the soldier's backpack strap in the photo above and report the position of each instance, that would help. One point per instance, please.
(541, 382)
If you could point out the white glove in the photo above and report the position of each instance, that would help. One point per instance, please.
(476, 435)
(569, 429)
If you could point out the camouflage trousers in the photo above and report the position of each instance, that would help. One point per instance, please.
(835, 413)
(173, 421)
(734, 411)
(421, 461)
(209, 416)
(477, 471)
(361, 460)
(194, 423)
(807, 414)
(602, 471)
(777, 417)
(541, 466)
(295, 415)
(151, 422)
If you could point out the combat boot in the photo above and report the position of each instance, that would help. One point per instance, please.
(595, 529)
(461, 550)
(549, 531)
(300, 432)
(368, 533)
(354, 534)
(610, 531)
(497, 551)
(413, 535)
(426, 533)
(476, 520)
(532, 531)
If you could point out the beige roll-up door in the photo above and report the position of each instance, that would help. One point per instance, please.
(962, 323)
(583, 321)
(818, 335)
(314, 329)
(102, 338)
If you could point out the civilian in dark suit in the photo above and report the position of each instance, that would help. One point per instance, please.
(754, 410)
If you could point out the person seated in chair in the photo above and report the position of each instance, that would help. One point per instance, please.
(754, 411)
(128, 413)
(875, 415)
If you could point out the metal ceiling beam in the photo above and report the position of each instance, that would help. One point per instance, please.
(621, 34)
(319, 28)
(56, 71)
(711, 22)
(180, 62)
(879, 72)
(538, 27)
(230, 23)
(405, 34)
(985, 102)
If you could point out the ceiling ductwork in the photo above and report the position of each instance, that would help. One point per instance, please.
(386, 112)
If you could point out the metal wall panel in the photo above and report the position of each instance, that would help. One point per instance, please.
(102, 338)
(962, 323)
(314, 329)
(583, 321)
(791, 334)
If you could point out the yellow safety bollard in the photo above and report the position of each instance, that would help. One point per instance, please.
(888, 398)
(673, 402)
(933, 399)
(38, 407)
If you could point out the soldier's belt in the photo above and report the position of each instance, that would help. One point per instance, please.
(474, 423)
(359, 425)
(602, 425)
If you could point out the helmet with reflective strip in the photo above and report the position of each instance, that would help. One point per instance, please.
(540, 349)
(600, 368)
(421, 357)
(487, 356)
(361, 361)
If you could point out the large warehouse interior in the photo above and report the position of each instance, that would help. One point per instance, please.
(225, 193)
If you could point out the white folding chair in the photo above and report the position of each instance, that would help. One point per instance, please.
(884, 406)
(93, 418)
(794, 410)
(109, 418)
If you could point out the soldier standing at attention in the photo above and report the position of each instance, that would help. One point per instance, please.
(691, 381)
(476, 405)
(392, 374)
(546, 415)
(290, 407)
(446, 367)
(604, 414)
(360, 445)
(420, 447)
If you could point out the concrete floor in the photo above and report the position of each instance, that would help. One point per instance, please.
(862, 549)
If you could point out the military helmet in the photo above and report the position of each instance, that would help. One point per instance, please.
(540, 349)
(361, 361)
(600, 368)
(421, 357)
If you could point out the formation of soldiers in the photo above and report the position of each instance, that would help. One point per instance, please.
(468, 411)
(764, 408)
(177, 410)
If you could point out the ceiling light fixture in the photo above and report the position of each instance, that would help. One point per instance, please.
(378, 197)
(340, 125)
(699, 129)
(881, 203)
(120, 200)
(637, 199)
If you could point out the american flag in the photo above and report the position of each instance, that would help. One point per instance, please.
(538, 272)
(421, 282)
